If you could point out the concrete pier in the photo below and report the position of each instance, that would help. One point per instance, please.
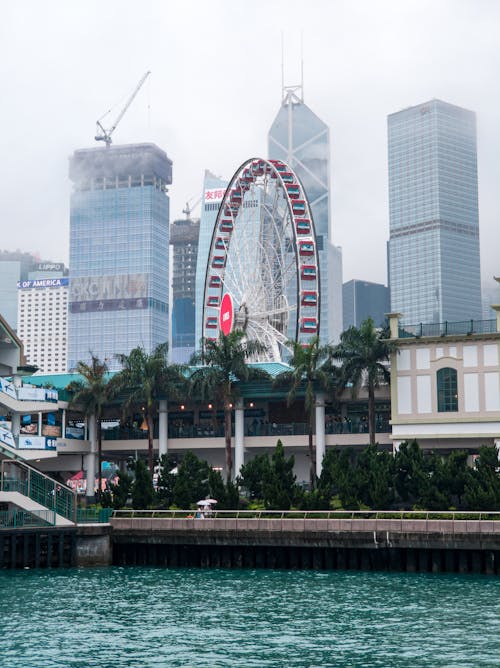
(468, 546)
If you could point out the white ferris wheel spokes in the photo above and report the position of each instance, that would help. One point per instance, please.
(264, 254)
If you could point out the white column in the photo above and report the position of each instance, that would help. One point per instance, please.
(90, 459)
(395, 447)
(63, 424)
(15, 424)
(239, 437)
(39, 423)
(320, 433)
(497, 446)
(163, 428)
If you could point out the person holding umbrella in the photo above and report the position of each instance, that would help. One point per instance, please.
(205, 508)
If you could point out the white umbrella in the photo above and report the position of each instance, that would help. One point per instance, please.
(206, 502)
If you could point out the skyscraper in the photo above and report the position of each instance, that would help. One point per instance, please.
(302, 140)
(14, 267)
(119, 250)
(184, 235)
(434, 268)
(361, 300)
(43, 317)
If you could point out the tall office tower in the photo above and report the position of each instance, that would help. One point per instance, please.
(491, 295)
(184, 241)
(43, 316)
(213, 193)
(299, 138)
(119, 251)
(434, 272)
(361, 300)
(14, 267)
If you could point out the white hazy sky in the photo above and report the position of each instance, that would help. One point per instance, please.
(215, 89)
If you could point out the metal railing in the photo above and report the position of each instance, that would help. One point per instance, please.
(93, 515)
(346, 426)
(16, 476)
(446, 328)
(352, 515)
(12, 519)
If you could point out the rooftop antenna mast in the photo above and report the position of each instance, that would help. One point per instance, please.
(105, 135)
(292, 94)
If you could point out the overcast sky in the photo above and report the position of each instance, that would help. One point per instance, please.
(215, 88)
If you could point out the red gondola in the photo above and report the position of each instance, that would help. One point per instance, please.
(308, 272)
(303, 225)
(226, 225)
(293, 190)
(219, 261)
(278, 165)
(298, 207)
(309, 325)
(309, 298)
(306, 247)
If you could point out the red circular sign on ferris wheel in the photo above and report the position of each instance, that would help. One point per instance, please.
(226, 314)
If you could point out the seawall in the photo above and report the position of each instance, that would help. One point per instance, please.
(378, 544)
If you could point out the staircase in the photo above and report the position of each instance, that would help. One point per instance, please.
(27, 489)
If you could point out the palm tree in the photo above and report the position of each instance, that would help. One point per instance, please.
(311, 369)
(224, 364)
(90, 395)
(145, 378)
(364, 354)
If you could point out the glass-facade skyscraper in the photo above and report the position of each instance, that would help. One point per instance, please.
(302, 140)
(362, 300)
(119, 251)
(434, 267)
(184, 234)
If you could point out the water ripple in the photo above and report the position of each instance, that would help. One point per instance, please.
(150, 618)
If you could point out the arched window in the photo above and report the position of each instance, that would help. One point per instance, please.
(447, 390)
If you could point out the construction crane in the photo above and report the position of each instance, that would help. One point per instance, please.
(188, 210)
(105, 135)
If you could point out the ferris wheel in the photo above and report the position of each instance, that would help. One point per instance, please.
(263, 271)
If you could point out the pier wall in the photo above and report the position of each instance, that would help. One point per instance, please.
(463, 546)
(408, 545)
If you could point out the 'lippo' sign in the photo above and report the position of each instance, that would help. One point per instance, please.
(226, 314)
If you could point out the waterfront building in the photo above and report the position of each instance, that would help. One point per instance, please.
(444, 392)
(184, 235)
(362, 299)
(302, 140)
(445, 384)
(14, 267)
(434, 268)
(43, 317)
(213, 192)
(119, 251)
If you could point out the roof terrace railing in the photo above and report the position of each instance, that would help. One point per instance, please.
(463, 327)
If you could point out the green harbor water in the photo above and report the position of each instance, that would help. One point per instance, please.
(152, 617)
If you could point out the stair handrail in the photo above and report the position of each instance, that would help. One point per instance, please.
(57, 487)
